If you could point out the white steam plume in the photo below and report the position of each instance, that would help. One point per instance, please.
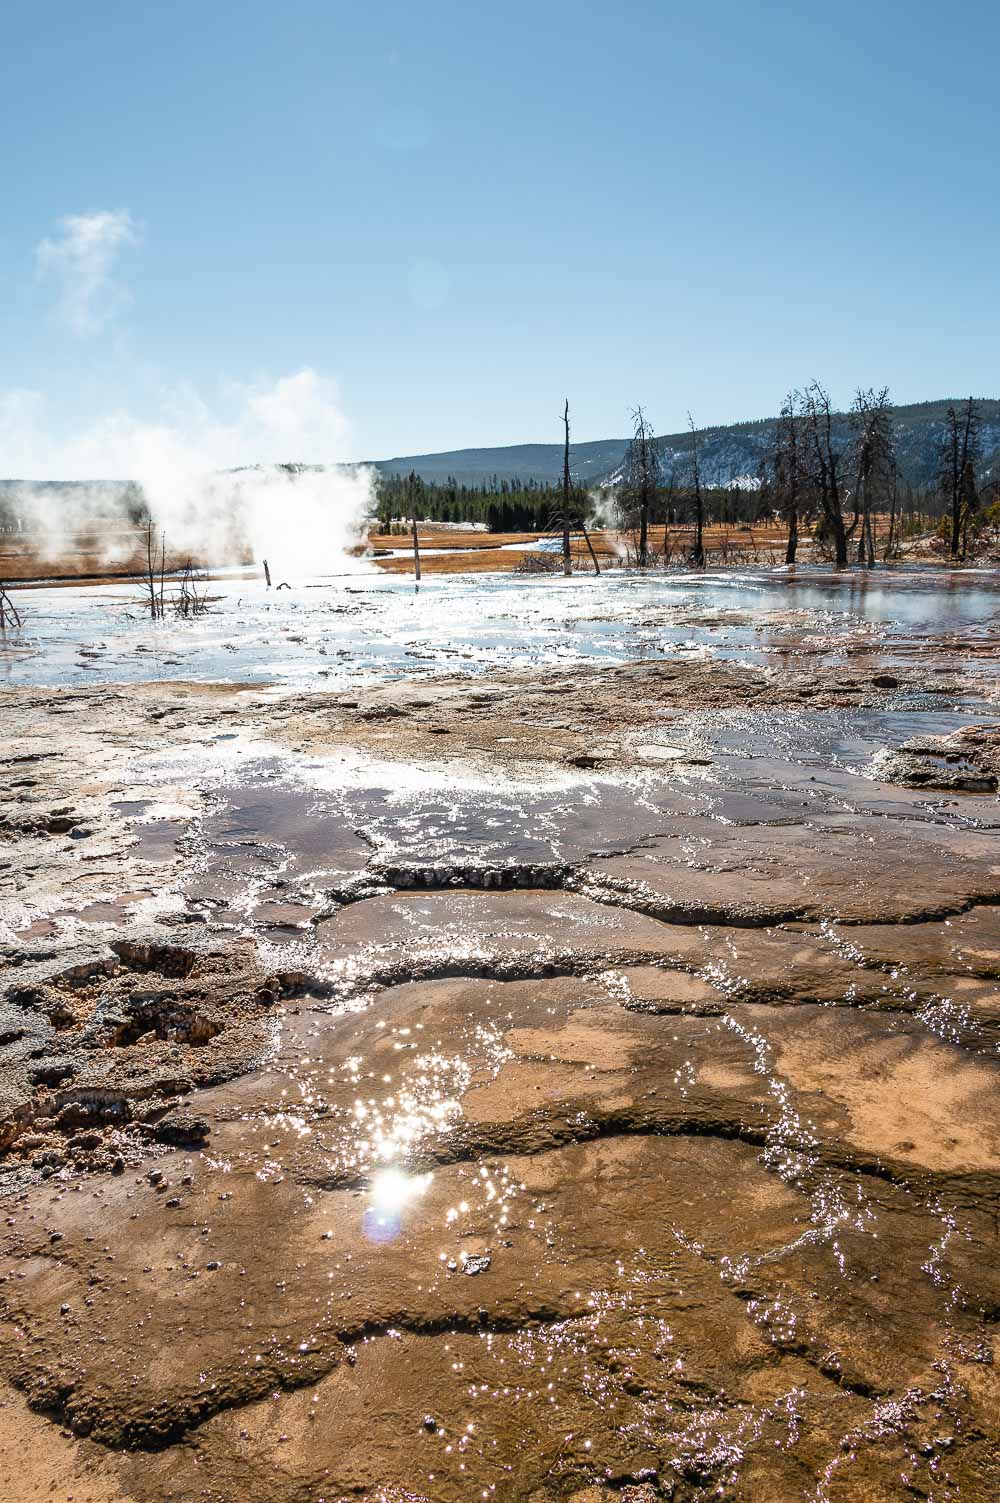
(602, 506)
(188, 468)
(81, 259)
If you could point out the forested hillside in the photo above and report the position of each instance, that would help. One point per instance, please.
(729, 454)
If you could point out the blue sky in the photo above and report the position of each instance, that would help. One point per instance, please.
(450, 216)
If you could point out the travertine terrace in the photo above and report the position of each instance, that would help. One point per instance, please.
(570, 1080)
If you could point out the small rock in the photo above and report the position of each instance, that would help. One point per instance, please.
(478, 1263)
(643, 1492)
(182, 1129)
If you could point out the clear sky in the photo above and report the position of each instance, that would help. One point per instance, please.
(440, 219)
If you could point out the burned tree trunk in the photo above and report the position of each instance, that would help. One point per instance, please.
(566, 556)
(781, 472)
(9, 615)
(791, 547)
(641, 477)
(825, 460)
(875, 459)
(698, 552)
(959, 457)
(891, 543)
(593, 555)
(413, 487)
(155, 600)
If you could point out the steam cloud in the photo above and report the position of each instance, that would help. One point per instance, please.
(187, 466)
(81, 259)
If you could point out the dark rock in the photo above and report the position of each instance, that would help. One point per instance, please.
(182, 1129)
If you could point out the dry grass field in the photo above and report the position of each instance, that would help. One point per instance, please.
(479, 552)
(113, 552)
(118, 552)
(433, 536)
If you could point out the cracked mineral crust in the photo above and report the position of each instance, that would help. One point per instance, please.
(580, 1087)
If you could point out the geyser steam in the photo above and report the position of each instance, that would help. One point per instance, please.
(210, 484)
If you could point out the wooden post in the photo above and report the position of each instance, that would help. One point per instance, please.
(267, 574)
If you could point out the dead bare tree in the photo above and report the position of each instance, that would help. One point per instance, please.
(567, 560)
(153, 568)
(667, 490)
(590, 546)
(640, 479)
(959, 458)
(572, 516)
(189, 601)
(782, 473)
(825, 463)
(874, 455)
(698, 551)
(892, 540)
(9, 614)
(413, 490)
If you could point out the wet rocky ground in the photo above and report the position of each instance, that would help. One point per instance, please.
(572, 1084)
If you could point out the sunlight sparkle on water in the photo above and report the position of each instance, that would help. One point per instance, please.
(391, 1191)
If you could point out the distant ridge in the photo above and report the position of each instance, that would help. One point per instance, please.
(729, 453)
(590, 462)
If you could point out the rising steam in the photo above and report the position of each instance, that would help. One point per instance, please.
(213, 485)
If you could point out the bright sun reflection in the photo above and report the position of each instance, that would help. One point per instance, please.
(391, 1190)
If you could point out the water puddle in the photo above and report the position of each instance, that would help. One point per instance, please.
(332, 633)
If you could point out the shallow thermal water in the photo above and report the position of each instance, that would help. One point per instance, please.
(277, 834)
(530, 1190)
(363, 627)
